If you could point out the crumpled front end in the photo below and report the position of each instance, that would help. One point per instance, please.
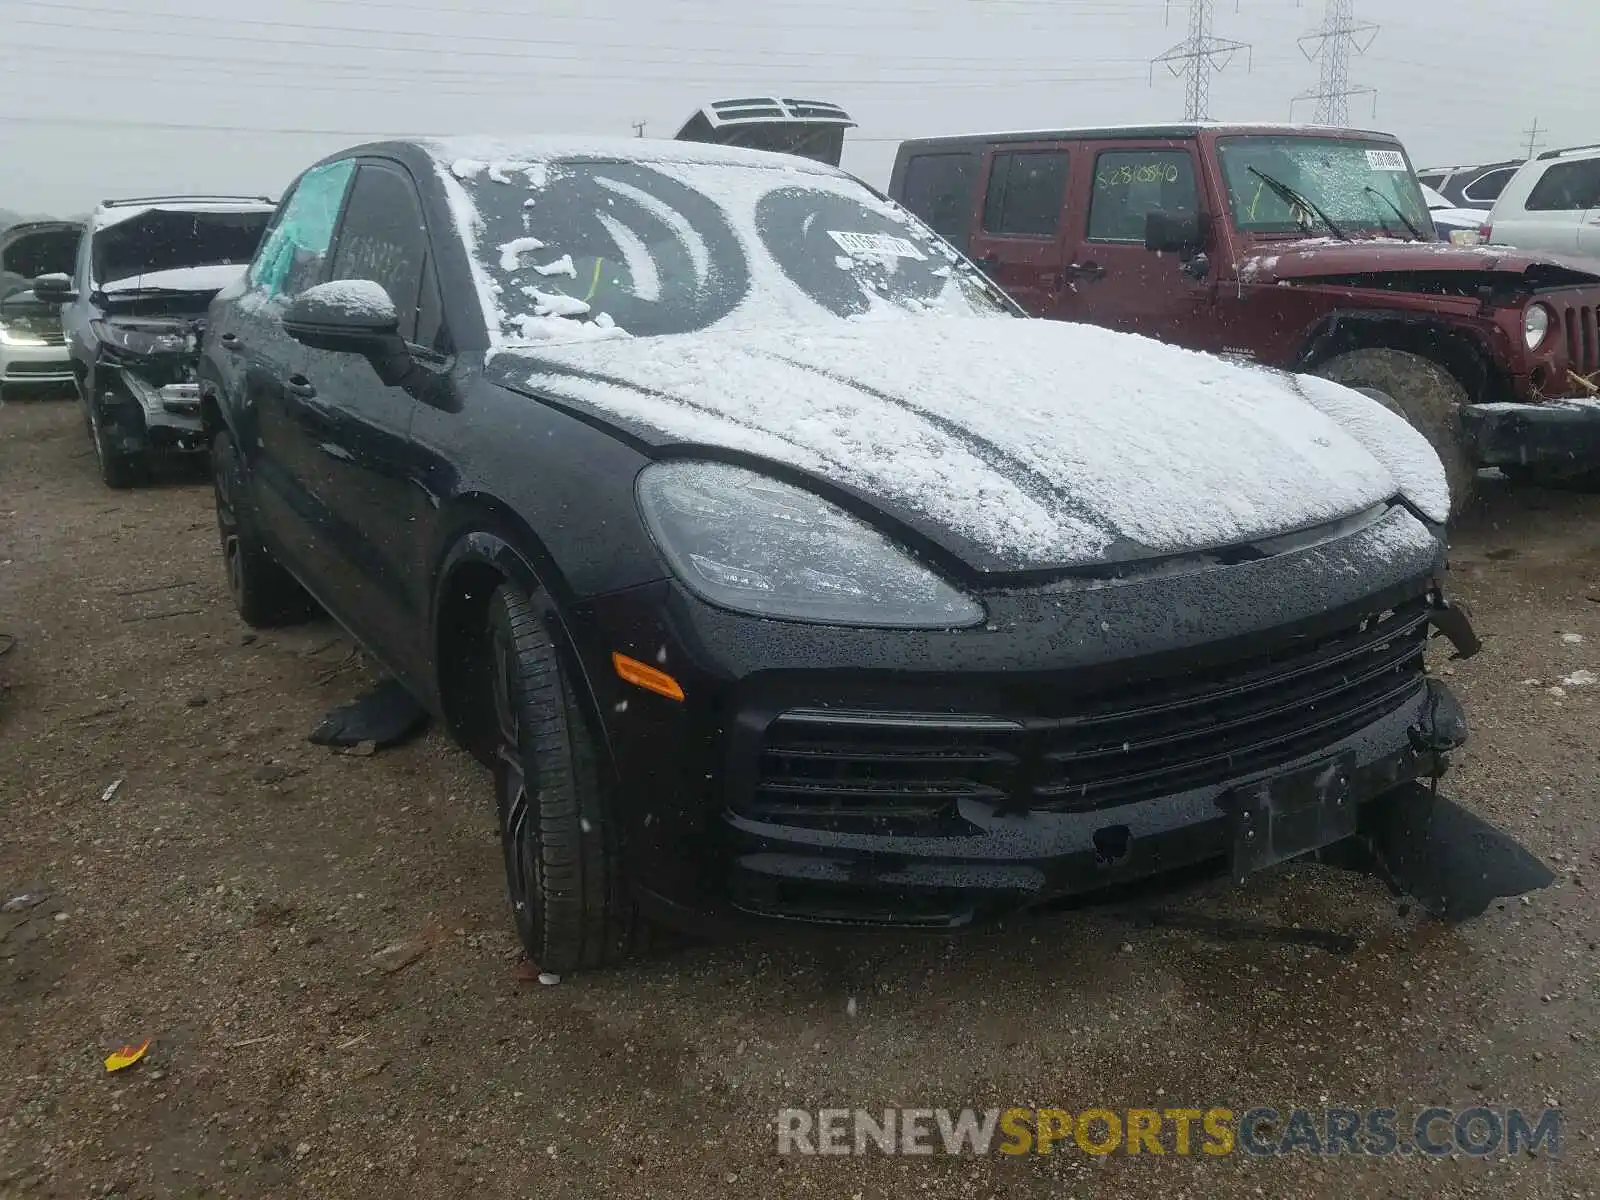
(150, 400)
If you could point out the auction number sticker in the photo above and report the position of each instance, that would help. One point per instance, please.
(1386, 160)
(875, 245)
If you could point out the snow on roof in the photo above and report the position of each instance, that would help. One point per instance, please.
(479, 153)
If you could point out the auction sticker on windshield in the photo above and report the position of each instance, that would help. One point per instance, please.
(1386, 160)
(875, 245)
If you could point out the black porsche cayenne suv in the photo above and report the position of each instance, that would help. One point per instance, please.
(778, 569)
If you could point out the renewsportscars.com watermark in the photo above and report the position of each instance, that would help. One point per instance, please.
(1379, 1132)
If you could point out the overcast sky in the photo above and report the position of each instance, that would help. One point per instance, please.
(117, 97)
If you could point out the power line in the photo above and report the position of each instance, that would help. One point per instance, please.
(1340, 37)
(1535, 142)
(1198, 56)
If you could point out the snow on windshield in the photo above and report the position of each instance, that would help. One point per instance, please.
(591, 247)
(1359, 185)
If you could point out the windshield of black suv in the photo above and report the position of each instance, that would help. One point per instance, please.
(601, 247)
(168, 249)
(1290, 183)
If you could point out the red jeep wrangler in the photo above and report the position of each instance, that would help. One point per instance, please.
(1307, 249)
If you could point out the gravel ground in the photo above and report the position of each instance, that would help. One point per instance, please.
(318, 943)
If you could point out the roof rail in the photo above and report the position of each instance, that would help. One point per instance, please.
(1567, 150)
(201, 198)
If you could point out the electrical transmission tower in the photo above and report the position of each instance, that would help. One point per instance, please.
(1198, 56)
(1340, 38)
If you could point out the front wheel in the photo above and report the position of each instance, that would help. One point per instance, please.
(1427, 396)
(118, 469)
(560, 842)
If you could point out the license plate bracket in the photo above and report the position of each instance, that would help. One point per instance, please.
(1291, 814)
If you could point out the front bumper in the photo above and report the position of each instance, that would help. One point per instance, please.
(48, 364)
(144, 414)
(1555, 433)
(1088, 737)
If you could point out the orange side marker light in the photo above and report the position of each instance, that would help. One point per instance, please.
(643, 675)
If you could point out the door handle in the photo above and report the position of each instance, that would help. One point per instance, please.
(301, 387)
(1085, 271)
(231, 342)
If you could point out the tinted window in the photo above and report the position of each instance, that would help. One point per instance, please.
(383, 239)
(291, 257)
(1567, 186)
(1130, 184)
(938, 188)
(1433, 179)
(1487, 187)
(1026, 191)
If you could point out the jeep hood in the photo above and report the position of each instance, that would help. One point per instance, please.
(1016, 445)
(1328, 258)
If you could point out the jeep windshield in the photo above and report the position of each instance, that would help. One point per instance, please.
(1364, 187)
(158, 250)
(603, 247)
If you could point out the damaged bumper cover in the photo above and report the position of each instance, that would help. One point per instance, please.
(151, 402)
(1555, 433)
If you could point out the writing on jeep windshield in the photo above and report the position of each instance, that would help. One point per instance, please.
(595, 247)
(1364, 188)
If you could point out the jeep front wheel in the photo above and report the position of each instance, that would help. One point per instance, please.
(1427, 396)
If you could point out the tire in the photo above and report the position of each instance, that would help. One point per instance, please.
(117, 469)
(1427, 396)
(559, 840)
(265, 594)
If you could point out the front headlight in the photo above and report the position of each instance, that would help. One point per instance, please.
(141, 340)
(1535, 325)
(742, 541)
(14, 335)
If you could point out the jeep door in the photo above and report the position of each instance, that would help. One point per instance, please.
(1019, 226)
(357, 429)
(1112, 279)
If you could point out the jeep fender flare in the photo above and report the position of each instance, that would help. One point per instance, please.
(1455, 349)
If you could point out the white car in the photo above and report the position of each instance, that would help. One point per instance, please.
(1461, 226)
(1552, 204)
(33, 354)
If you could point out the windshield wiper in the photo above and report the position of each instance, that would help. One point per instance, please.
(1404, 220)
(1287, 193)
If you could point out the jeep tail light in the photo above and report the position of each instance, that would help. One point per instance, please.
(1486, 231)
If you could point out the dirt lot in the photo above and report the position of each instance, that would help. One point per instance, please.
(231, 895)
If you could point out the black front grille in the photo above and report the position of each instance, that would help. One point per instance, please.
(863, 769)
(1582, 324)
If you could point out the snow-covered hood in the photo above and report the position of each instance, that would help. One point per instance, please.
(1016, 444)
(1321, 257)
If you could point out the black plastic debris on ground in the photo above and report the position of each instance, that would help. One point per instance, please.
(385, 716)
(1452, 862)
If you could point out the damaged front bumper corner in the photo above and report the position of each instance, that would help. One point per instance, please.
(170, 411)
(1552, 434)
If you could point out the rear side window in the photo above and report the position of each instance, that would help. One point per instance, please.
(938, 188)
(292, 255)
(1486, 188)
(383, 239)
(1027, 189)
(1131, 184)
(1433, 179)
(1567, 187)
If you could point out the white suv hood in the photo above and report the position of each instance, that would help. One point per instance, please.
(1020, 444)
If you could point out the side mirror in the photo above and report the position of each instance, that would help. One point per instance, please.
(351, 316)
(1169, 234)
(55, 288)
